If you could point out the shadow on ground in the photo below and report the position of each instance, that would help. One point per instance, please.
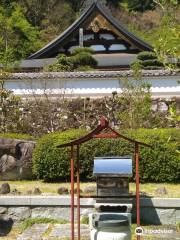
(5, 227)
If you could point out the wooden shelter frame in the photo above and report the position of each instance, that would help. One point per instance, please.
(96, 133)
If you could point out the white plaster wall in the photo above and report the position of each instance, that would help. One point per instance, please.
(161, 86)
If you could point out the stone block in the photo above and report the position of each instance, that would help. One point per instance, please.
(34, 232)
(51, 212)
(3, 210)
(158, 216)
(19, 213)
(64, 231)
(177, 215)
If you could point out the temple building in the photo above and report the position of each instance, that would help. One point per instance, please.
(115, 48)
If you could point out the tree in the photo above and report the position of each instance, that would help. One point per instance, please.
(135, 101)
(167, 35)
(17, 37)
(140, 5)
(82, 4)
(9, 107)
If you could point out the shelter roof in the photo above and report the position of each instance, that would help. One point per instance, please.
(98, 132)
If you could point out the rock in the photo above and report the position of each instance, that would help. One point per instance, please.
(3, 210)
(90, 189)
(62, 190)
(51, 212)
(8, 162)
(161, 191)
(19, 213)
(15, 159)
(15, 192)
(5, 188)
(25, 169)
(37, 191)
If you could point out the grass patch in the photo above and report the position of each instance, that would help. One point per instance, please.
(48, 231)
(31, 221)
(178, 226)
(85, 220)
(51, 188)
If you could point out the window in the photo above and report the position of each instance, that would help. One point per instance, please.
(106, 36)
(117, 47)
(88, 37)
(72, 48)
(98, 48)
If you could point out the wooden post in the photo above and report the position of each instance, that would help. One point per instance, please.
(137, 187)
(78, 194)
(72, 192)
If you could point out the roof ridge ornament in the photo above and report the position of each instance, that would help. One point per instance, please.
(89, 3)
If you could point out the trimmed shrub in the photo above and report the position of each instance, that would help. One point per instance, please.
(159, 164)
(146, 56)
(84, 59)
(79, 50)
(49, 162)
(148, 61)
(81, 59)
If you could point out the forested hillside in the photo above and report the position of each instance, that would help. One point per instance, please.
(27, 25)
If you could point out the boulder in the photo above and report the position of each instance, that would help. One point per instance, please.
(16, 159)
(5, 188)
(90, 190)
(3, 210)
(15, 192)
(62, 190)
(37, 191)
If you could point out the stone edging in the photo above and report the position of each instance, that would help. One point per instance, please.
(85, 202)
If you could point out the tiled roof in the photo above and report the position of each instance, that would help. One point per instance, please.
(95, 6)
(92, 74)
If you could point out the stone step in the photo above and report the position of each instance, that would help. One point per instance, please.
(59, 231)
(34, 233)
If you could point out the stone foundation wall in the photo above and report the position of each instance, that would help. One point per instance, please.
(153, 211)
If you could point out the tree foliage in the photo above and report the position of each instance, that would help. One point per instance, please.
(17, 36)
(136, 99)
(9, 107)
(141, 5)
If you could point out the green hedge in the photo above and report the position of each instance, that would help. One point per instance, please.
(160, 164)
